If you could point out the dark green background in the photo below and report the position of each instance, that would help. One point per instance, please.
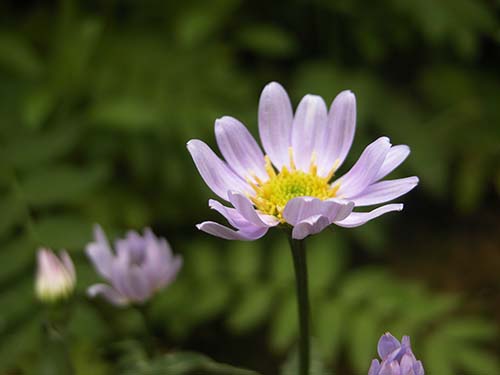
(97, 102)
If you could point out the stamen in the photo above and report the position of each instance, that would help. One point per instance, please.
(272, 195)
(313, 168)
(269, 167)
(290, 155)
(333, 170)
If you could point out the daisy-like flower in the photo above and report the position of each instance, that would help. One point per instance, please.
(140, 266)
(397, 358)
(56, 277)
(294, 182)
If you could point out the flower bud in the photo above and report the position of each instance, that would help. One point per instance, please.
(56, 277)
(397, 358)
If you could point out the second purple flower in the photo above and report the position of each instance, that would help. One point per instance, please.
(138, 267)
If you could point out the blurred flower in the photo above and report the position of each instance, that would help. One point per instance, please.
(292, 184)
(141, 266)
(56, 277)
(397, 358)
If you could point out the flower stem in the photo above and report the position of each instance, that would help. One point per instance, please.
(300, 265)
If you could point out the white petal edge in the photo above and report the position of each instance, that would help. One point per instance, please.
(109, 293)
(218, 230)
(384, 191)
(357, 219)
(301, 208)
(396, 155)
(309, 226)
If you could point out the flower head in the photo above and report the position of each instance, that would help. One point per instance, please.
(293, 183)
(56, 277)
(397, 358)
(139, 267)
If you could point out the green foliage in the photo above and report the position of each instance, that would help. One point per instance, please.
(135, 362)
(97, 102)
(350, 310)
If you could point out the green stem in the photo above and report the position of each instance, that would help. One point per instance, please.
(300, 265)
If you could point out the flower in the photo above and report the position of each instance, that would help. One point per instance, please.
(56, 277)
(292, 184)
(397, 358)
(141, 266)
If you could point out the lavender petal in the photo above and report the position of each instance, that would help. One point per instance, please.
(308, 226)
(308, 130)
(356, 219)
(239, 148)
(365, 169)
(300, 208)
(395, 156)
(221, 231)
(341, 125)
(109, 293)
(216, 174)
(385, 191)
(245, 207)
(387, 344)
(275, 123)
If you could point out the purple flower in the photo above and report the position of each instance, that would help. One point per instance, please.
(293, 182)
(397, 358)
(56, 277)
(140, 266)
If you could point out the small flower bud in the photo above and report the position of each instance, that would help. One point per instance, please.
(397, 358)
(56, 277)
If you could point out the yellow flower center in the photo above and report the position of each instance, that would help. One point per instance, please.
(271, 196)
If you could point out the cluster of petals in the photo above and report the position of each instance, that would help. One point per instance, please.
(397, 358)
(138, 267)
(315, 135)
(56, 277)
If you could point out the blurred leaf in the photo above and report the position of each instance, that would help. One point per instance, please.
(476, 361)
(186, 363)
(16, 256)
(317, 367)
(325, 262)
(18, 56)
(12, 214)
(280, 264)
(244, 262)
(21, 343)
(470, 184)
(363, 336)
(251, 309)
(62, 184)
(199, 23)
(33, 149)
(126, 113)
(64, 232)
(284, 323)
(330, 327)
(267, 40)
(38, 106)
(436, 356)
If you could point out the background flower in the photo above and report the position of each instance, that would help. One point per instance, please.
(397, 358)
(292, 183)
(139, 267)
(55, 277)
